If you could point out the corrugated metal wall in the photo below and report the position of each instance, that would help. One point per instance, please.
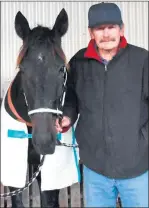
(135, 16)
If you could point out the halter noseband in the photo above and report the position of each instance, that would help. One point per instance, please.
(43, 110)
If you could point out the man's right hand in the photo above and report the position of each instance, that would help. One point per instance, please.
(65, 122)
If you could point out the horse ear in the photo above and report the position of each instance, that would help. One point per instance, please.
(21, 26)
(61, 23)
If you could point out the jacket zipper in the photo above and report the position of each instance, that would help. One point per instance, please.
(103, 113)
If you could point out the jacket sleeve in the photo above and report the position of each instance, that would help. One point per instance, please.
(71, 104)
(146, 95)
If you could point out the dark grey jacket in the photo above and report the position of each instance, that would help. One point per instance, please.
(112, 130)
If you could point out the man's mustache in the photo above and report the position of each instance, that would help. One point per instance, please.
(107, 40)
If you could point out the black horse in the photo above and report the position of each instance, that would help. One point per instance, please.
(37, 91)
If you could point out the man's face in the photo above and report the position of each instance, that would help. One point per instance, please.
(107, 37)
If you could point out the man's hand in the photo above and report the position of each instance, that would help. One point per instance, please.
(65, 123)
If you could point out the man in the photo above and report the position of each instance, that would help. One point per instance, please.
(108, 88)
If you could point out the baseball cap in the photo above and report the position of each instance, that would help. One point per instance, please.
(104, 13)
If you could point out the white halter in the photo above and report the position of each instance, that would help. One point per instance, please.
(50, 110)
(47, 110)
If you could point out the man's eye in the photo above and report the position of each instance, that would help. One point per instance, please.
(110, 27)
(99, 28)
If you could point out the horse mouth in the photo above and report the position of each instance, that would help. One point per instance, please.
(44, 148)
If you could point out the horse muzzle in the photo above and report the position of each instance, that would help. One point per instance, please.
(43, 133)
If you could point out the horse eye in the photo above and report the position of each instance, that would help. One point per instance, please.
(61, 70)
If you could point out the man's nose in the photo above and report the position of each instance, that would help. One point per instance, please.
(106, 32)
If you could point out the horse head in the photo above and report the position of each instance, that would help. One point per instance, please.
(42, 65)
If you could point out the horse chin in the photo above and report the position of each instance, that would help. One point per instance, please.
(44, 145)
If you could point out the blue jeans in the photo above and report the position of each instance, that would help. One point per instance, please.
(100, 191)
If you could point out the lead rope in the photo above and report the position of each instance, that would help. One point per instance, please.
(18, 191)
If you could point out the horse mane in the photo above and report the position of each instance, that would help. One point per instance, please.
(22, 52)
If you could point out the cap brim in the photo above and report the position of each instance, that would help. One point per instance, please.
(105, 23)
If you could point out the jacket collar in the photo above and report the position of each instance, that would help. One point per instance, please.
(91, 50)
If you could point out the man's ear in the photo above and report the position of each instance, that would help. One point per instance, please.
(91, 33)
(122, 28)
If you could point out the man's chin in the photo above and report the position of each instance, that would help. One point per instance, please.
(109, 46)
